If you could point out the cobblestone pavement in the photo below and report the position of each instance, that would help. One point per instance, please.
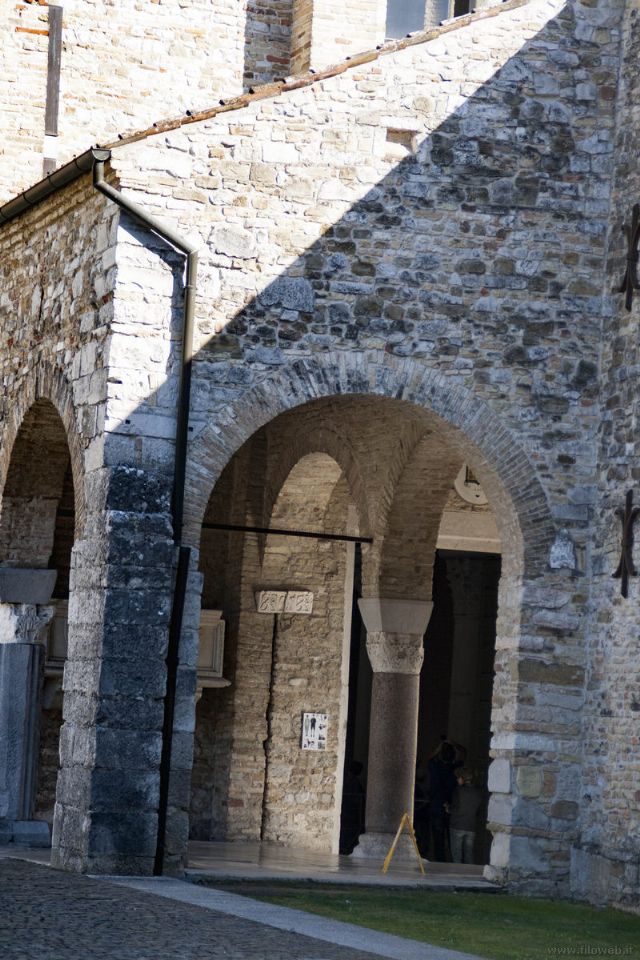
(46, 914)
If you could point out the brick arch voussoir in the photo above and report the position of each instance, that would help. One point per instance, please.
(493, 451)
(48, 383)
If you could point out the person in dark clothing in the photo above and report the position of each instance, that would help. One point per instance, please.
(353, 801)
(421, 810)
(442, 783)
(466, 802)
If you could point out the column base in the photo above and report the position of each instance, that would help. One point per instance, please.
(375, 846)
(26, 833)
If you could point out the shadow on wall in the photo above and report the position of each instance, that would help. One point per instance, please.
(477, 257)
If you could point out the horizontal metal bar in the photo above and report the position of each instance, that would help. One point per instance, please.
(236, 528)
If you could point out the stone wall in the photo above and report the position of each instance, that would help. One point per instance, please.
(475, 298)
(59, 330)
(23, 54)
(428, 226)
(251, 778)
(121, 65)
(126, 66)
(383, 210)
(606, 859)
(267, 41)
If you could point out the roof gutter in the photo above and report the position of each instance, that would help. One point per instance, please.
(99, 157)
(54, 181)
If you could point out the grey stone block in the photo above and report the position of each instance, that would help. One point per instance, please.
(133, 678)
(123, 833)
(589, 874)
(26, 586)
(500, 775)
(20, 682)
(31, 833)
(295, 293)
(118, 749)
(114, 790)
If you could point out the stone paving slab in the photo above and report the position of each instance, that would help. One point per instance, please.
(356, 939)
(47, 914)
(233, 861)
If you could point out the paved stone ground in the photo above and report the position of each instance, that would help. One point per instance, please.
(46, 914)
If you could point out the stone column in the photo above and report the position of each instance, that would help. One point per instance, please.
(324, 32)
(395, 629)
(21, 673)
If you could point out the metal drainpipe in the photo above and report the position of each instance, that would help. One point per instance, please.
(180, 462)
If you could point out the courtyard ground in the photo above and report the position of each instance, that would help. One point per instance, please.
(47, 914)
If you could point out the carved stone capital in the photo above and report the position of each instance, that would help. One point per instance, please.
(395, 652)
(23, 622)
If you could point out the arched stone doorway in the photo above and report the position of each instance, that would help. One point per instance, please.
(527, 776)
(37, 530)
(464, 430)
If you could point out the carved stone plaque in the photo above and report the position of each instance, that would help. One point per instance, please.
(299, 601)
(270, 601)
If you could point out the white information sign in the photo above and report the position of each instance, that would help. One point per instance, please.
(314, 731)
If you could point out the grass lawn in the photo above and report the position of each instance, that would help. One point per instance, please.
(495, 926)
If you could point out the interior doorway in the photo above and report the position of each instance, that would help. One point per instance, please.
(37, 532)
(456, 682)
(456, 685)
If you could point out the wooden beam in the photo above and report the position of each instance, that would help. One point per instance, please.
(53, 72)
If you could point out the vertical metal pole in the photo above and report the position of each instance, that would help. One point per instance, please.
(172, 662)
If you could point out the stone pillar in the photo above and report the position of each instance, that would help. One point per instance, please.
(325, 32)
(21, 675)
(395, 630)
(435, 11)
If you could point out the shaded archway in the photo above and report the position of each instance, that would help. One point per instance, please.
(247, 733)
(37, 531)
(441, 427)
(477, 437)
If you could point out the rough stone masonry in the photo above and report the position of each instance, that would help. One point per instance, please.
(408, 262)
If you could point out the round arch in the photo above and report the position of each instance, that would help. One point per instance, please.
(48, 384)
(502, 466)
(323, 440)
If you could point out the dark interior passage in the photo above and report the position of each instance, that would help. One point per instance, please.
(456, 682)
